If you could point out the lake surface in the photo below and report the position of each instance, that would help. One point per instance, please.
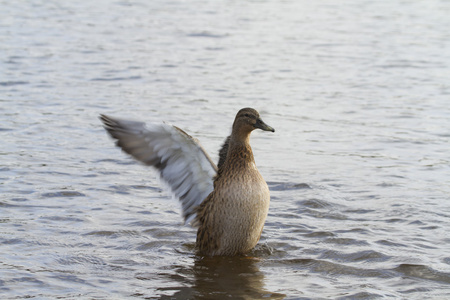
(358, 168)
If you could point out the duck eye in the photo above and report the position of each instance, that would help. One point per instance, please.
(247, 115)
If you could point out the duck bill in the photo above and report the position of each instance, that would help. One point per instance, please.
(263, 126)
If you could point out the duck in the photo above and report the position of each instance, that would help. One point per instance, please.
(228, 203)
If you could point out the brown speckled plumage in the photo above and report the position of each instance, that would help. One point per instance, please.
(232, 217)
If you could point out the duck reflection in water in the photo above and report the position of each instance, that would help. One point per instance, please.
(223, 277)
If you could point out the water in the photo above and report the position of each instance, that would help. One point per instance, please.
(358, 168)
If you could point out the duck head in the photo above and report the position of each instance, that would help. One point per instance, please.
(247, 120)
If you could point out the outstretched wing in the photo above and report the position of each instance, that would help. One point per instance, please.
(180, 159)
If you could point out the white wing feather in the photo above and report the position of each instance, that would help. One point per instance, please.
(180, 159)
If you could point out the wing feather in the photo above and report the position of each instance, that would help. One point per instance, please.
(181, 161)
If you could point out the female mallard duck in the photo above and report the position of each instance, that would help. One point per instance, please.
(228, 203)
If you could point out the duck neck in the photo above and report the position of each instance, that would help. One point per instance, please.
(239, 151)
(239, 156)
